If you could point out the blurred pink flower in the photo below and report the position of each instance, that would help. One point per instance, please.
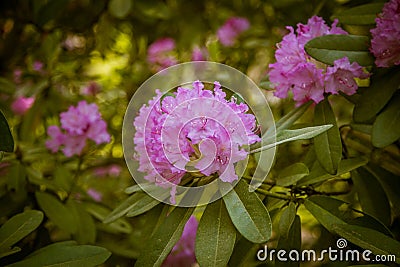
(199, 54)
(96, 195)
(295, 71)
(160, 54)
(111, 170)
(91, 89)
(22, 104)
(192, 118)
(17, 74)
(37, 66)
(385, 43)
(79, 123)
(231, 29)
(182, 254)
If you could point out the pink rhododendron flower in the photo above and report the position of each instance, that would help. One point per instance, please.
(94, 194)
(295, 71)
(37, 66)
(182, 254)
(199, 54)
(232, 28)
(17, 74)
(91, 89)
(174, 131)
(22, 104)
(385, 43)
(79, 124)
(160, 54)
(112, 170)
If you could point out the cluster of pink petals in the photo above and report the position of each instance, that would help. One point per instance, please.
(94, 194)
(199, 54)
(22, 104)
(79, 124)
(113, 170)
(183, 254)
(294, 70)
(385, 43)
(168, 129)
(160, 54)
(231, 29)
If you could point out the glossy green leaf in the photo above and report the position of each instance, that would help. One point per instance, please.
(164, 237)
(291, 241)
(65, 254)
(248, 213)
(56, 211)
(360, 15)
(366, 238)
(329, 48)
(383, 85)
(17, 228)
(243, 254)
(86, 229)
(328, 145)
(6, 138)
(293, 135)
(318, 173)
(291, 174)
(215, 237)
(385, 129)
(287, 219)
(366, 185)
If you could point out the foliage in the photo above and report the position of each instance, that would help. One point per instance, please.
(336, 170)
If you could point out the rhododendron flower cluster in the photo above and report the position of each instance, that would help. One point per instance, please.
(79, 123)
(182, 253)
(195, 126)
(160, 54)
(22, 104)
(385, 43)
(295, 71)
(232, 28)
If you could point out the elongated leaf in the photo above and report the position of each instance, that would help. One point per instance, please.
(6, 139)
(366, 186)
(145, 204)
(164, 237)
(329, 48)
(383, 85)
(291, 174)
(291, 241)
(65, 254)
(318, 174)
(248, 213)
(366, 238)
(56, 211)
(386, 128)
(215, 237)
(328, 145)
(17, 228)
(243, 254)
(6, 86)
(86, 229)
(293, 135)
(287, 219)
(360, 15)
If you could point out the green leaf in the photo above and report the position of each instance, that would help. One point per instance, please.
(142, 206)
(17, 228)
(291, 241)
(6, 139)
(86, 229)
(319, 174)
(56, 211)
(215, 237)
(287, 219)
(291, 174)
(360, 15)
(329, 48)
(164, 237)
(366, 238)
(6, 86)
(293, 135)
(120, 8)
(248, 213)
(383, 85)
(367, 185)
(385, 129)
(328, 145)
(49, 11)
(65, 254)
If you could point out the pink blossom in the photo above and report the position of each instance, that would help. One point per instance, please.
(192, 118)
(79, 124)
(111, 170)
(91, 89)
(160, 54)
(37, 66)
(182, 254)
(385, 43)
(232, 28)
(199, 54)
(340, 77)
(295, 71)
(17, 75)
(96, 195)
(22, 104)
